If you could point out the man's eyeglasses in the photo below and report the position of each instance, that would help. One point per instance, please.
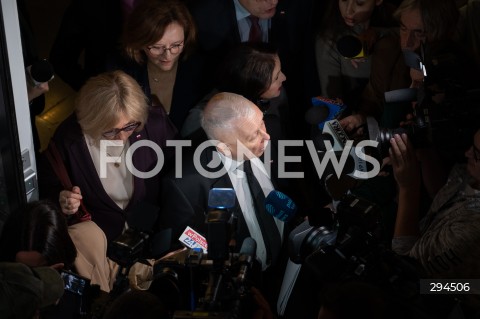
(127, 128)
(476, 153)
(174, 49)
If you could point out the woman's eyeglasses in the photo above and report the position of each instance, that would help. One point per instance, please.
(174, 49)
(127, 128)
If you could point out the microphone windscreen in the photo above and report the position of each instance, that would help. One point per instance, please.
(349, 46)
(412, 60)
(316, 115)
(323, 106)
(41, 71)
(280, 206)
(249, 247)
(221, 198)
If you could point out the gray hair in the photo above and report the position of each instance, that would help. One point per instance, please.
(222, 112)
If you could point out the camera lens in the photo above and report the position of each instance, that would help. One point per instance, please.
(316, 238)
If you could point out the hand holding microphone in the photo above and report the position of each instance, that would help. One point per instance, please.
(38, 75)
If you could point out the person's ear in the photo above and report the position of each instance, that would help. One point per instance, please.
(224, 149)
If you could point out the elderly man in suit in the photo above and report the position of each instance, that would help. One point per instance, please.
(235, 126)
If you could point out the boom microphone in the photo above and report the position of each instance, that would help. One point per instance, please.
(280, 206)
(350, 47)
(219, 221)
(316, 115)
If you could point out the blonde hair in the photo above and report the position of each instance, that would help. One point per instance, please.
(147, 24)
(105, 98)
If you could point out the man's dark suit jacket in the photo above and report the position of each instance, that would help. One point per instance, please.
(185, 199)
(71, 144)
(291, 32)
(185, 203)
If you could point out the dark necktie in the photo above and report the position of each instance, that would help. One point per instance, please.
(255, 34)
(270, 233)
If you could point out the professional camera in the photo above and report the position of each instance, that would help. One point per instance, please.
(357, 225)
(140, 240)
(353, 249)
(129, 247)
(445, 107)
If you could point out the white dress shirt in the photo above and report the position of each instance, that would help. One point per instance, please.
(244, 23)
(240, 185)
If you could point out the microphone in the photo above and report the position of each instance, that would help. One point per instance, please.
(280, 206)
(316, 115)
(401, 95)
(219, 222)
(40, 72)
(221, 198)
(413, 60)
(323, 110)
(350, 47)
(246, 257)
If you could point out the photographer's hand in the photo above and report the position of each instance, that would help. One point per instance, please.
(407, 174)
(404, 162)
(352, 122)
(417, 78)
(34, 91)
(70, 200)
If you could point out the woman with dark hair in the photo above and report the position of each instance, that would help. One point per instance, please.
(157, 41)
(343, 74)
(45, 231)
(254, 71)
